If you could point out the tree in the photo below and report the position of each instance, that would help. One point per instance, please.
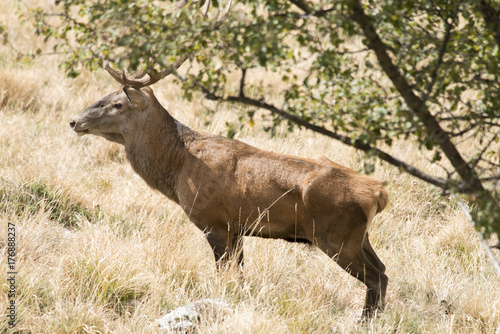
(366, 73)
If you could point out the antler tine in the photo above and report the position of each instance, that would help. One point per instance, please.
(226, 12)
(220, 21)
(117, 75)
(137, 79)
(205, 8)
(154, 78)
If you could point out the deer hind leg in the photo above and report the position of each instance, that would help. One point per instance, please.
(359, 259)
(375, 296)
(364, 268)
(225, 247)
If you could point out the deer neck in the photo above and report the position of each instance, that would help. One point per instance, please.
(157, 152)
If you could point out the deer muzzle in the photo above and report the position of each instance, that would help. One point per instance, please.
(78, 127)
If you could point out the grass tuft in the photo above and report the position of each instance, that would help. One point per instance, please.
(32, 197)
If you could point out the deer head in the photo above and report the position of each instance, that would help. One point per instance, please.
(114, 115)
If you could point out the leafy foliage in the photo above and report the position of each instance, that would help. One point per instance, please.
(365, 73)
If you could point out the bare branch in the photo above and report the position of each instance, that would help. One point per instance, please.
(464, 131)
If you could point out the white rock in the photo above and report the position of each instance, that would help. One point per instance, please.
(185, 318)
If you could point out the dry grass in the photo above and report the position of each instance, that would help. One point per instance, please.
(99, 252)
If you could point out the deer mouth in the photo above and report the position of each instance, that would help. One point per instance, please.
(81, 132)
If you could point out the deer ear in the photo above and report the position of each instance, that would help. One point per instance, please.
(136, 97)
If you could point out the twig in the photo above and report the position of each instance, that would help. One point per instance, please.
(480, 155)
(442, 52)
(242, 82)
(491, 178)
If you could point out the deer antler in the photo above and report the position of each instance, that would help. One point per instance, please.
(141, 79)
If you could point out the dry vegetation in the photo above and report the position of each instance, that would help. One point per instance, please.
(99, 252)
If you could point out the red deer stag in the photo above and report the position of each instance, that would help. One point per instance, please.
(230, 189)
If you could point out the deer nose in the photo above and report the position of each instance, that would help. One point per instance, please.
(72, 124)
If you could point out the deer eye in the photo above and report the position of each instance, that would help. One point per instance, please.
(117, 105)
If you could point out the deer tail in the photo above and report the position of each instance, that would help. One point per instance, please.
(382, 200)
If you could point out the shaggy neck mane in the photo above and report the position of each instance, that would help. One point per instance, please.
(159, 150)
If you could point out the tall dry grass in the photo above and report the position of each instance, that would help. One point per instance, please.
(100, 252)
